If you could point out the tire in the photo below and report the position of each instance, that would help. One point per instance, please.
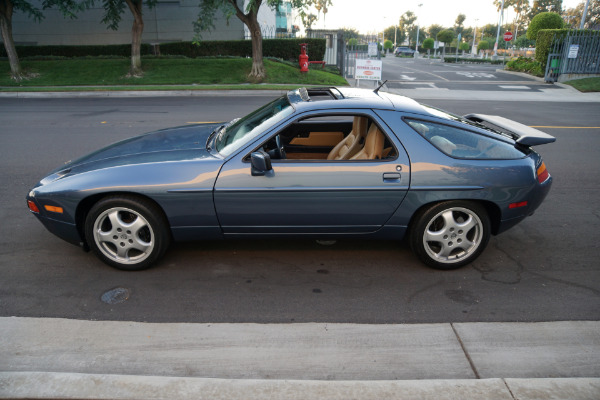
(127, 232)
(451, 234)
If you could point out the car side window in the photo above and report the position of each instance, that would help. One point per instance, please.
(332, 137)
(462, 143)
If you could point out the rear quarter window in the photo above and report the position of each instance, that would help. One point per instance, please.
(462, 143)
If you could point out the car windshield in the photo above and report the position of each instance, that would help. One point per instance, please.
(243, 130)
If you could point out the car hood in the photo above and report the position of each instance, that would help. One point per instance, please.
(172, 144)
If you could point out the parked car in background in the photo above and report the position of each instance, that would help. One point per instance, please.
(404, 51)
(323, 163)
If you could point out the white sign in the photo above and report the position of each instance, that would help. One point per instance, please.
(372, 49)
(368, 69)
(573, 50)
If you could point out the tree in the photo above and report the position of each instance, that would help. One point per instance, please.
(249, 17)
(428, 44)
(7, 7)
(113, 10)
(434, 29)
(545, 20)
(350, 33)
(458, 23)
(446, 36)
(483, 45)
(464, 46)
(521, 9)
(388, 44)
(540, 6)
(592, 21)
(308, 20)
(407, 25)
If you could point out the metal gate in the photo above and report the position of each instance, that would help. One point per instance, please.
(578, 53)
(351, 54)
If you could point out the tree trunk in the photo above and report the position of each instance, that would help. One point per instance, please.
(258, 67)
(136, 37)
(6, 12)
(251, 21)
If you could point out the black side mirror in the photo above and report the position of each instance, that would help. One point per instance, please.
(261, 163)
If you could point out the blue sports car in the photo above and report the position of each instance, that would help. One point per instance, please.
(322, 163)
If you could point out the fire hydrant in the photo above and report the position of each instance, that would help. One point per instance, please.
(303, 58)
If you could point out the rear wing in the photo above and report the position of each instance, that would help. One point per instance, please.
(524, 134)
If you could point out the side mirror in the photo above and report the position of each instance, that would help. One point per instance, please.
(261, 163)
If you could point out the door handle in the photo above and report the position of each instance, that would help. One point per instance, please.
(391, 176)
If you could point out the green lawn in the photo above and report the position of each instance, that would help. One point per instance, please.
(585, 84)
(160, 71)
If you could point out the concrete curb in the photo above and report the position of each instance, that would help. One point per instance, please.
(45, 385)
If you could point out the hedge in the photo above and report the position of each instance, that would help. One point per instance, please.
(121, 50)
(287, 49)
(465, 60)
(545, 41)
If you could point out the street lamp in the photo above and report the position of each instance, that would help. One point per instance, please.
(499, 25)
(587, 3)
(474, 35)
(417, 44)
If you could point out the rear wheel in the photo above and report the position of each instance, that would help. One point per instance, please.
(451, 234)
(127, 232)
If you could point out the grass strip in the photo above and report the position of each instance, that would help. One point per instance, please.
(585, 84)
(157, 71)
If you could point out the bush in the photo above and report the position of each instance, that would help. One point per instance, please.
(524, 64)
(472, 60)
(544, 20)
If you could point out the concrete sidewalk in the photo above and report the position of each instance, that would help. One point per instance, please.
(59, 358)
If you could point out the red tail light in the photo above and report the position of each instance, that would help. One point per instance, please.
(542, 173)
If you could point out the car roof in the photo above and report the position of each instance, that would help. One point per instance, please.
(346, 97)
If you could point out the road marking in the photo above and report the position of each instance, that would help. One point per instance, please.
(565, 127)
(407, 78)
(425, 72)
(476, 74)
(513, 87)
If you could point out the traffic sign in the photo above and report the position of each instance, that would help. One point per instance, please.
(508, 36)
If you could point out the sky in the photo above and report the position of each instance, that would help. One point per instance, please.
(371, 15)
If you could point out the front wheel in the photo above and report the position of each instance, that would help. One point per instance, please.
(127, 232)
(451, 234)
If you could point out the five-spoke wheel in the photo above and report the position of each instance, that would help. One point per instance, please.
(451, 234)
(126, 232)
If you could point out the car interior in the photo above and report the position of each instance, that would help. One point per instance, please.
(333, 138)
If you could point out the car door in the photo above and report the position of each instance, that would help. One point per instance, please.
(312, 196)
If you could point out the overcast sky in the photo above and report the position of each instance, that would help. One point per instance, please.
(371, 15)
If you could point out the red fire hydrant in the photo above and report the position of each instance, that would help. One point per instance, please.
(303, 58)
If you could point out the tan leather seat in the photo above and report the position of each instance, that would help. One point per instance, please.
(351, 144)
(373, 148)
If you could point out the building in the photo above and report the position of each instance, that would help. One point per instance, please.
(168, 21)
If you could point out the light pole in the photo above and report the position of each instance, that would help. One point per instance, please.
(498, 33)
(474, 35)
(417, 44)
(587, 3)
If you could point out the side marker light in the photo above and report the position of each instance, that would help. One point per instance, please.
(54, 209)
(517, 205)
(33, 207)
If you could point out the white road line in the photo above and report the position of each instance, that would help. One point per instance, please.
(513, 87)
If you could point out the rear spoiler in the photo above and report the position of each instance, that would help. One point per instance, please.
(524, 134)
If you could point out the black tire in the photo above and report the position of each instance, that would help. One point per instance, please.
(451, 234)
(127, 232)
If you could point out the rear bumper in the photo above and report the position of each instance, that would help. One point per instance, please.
(534, 200)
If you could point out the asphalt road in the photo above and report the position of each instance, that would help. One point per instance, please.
(544, 269)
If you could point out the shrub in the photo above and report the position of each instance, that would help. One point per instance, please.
(544, 20)
(545, 41)
(524, 64)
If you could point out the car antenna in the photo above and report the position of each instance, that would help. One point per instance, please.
(377, 90)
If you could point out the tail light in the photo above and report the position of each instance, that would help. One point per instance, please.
(542, 173)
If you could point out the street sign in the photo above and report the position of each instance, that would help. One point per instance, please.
(573, 51)
(368, 69)
(508, 36)
(372, 49)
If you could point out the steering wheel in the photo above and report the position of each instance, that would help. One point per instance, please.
(279, 149)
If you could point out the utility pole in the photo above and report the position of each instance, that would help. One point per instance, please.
(417, 44)
(474, 35)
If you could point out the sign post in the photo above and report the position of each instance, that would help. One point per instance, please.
(369, 70)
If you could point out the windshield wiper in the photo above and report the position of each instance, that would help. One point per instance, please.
(217, 129)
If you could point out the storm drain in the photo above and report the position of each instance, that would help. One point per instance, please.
(115, 296)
